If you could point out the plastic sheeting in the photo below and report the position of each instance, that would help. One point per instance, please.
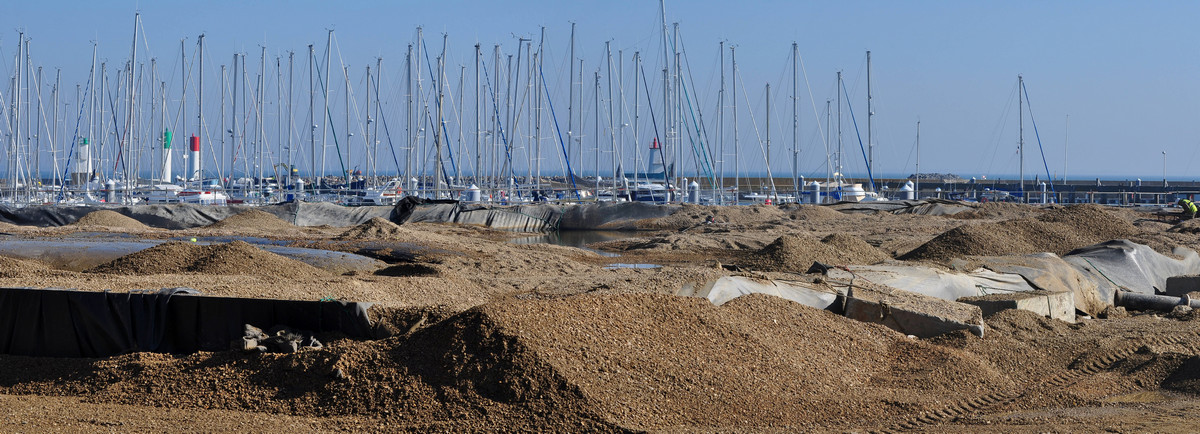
(1049, 272)
(934, 282)
(728, 288)
(65, 323)
(186, 216)
(538, 217)
(1123, 264)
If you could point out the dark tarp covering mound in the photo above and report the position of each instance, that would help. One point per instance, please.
(537, 217)
(185, 216)
(66, 323)
(923, 207)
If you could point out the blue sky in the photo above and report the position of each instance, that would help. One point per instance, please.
(1125, 72)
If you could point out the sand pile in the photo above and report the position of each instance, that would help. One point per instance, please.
(999, 210)
(568, 364)
(235, 258)
(656, 361)
(254, 219)
(692, 215)
(375, 228)
(108, 218)
(1058, 231)
(13, 267)
(814, 212)
(1186, 227)
(795, 253)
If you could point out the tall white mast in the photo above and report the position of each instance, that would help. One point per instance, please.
(1021, 134)
(325, 97)
(795, 126)
(571, 98)
(917, 181)
(737, 155)
(721, 128)
(870, 114)
(197, 174)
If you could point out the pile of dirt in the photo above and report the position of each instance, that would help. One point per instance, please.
(234, 258)
(814, 212)
(254, 219)
(1057, 231)
(751, 216)
(593, 362)
(375, 228)
(656, 361)
(795, 253)
(1186, 227)
(999, 210)
(110, 219)
(13, 267)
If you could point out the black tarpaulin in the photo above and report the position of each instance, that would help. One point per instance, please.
(66, 323)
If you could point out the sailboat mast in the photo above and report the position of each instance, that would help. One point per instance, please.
(437, 134)
(132, 97)
(197, 174)
(325, 97)
(840, 150)
(770, 176)
(54, 136)
(596, 134)
(1021, 134)
(478, 125)
(221, 133)
(795, 127)
(612, 137)
(721, 127)
(637, 104)
(870, 114)
(571, 97)
(312, 127)
(917, 181)
(537, 126)
(291, 120)
(233, 134)
(260, 133)
(408, 118)
(737, 155)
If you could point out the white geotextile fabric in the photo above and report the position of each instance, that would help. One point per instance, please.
(728, 288)
(934, 282)
(1128, 265)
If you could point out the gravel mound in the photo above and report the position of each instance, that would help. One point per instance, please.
(795, 253)
(656, 361)
(999, 210)
(13, 267)
(737, 215)
(1058, 231)
(815, 212)
(234, 258)
(254, 219)
(109, 218)
(1186, 227)
(375, 228)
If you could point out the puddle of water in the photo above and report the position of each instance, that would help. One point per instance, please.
(633, 266)
(227, 239)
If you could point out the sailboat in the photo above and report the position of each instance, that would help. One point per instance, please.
(652, 186)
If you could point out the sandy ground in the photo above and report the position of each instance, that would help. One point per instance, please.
(492, 335)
